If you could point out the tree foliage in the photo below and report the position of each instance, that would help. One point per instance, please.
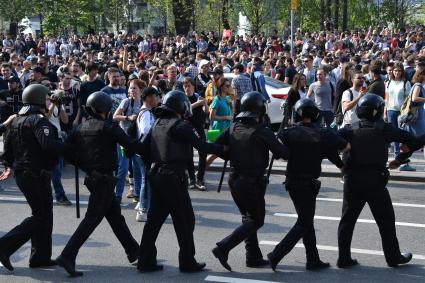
(182, 16)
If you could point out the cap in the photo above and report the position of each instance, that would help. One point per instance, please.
(203, 63)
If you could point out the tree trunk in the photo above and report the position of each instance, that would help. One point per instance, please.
(322, 14)
(328, 10)
(336, 15)
(344, 15)
(225, 14)
(182, 11)
(13, 28)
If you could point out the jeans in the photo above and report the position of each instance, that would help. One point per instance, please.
(392, 119)
(328, 116)
(122, 174)
(56, 179)
(144, 188)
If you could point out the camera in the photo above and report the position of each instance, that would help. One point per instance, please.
(59, 97)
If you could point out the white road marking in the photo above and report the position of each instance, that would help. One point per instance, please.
(24, 200)
(408, 224)
(234, 280)
(335, 249)
(394, 203)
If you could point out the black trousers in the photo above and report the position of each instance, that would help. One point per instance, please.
(169, 197)
(248, 194)
(102, 203)
(38, 227)
(303, 194)
(202, 162)
(373, 191)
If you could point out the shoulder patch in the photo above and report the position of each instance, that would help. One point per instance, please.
(46, 131)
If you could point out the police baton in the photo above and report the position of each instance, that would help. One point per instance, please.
(222, 176)
(269, 171)
(77, 191)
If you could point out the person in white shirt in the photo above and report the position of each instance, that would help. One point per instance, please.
(351, 97)
(396, 89)
(145, 121)
(57, 115)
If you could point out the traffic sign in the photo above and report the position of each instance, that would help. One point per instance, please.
(293, 4)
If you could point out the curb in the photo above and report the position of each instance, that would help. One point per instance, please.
(413, 179)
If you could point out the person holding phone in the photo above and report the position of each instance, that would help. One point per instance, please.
(351, 97)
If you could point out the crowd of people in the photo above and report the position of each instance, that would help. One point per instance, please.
(332, 70)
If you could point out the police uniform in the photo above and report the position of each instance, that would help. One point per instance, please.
(95, 144)
(32, 148)
(308, 146)
(170, 144)
(366, 178)
(247, 179)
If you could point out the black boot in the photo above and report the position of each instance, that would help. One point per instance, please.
(69, 266)
(197, 266)
(404, 258)
(273, 262)
(45, 264)
(259, 262)
(345, 263)
(4, 259)
(152, 268)
(222, 257)
(316, 264)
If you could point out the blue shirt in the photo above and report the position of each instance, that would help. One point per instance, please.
(117, 96)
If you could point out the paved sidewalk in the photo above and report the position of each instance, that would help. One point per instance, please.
(329, 170)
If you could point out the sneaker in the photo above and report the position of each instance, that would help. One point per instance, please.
(200, 185)
(192, 185)
(141, 217)
(407, 167)
(130, 193)
(63, 200)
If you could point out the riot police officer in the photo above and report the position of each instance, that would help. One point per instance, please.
(308, 146)
(170, 142)
(31, 149)
(366, 178)
(247, 179)
(95, 145)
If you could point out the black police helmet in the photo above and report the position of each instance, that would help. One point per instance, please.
(306, 108)
(99, 102)
(370, 107)
(177, 101)
(35, 94)
(253, 104)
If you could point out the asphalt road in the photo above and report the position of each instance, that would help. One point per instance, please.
(103, 260)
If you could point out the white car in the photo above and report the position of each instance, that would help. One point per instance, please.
(278, 92)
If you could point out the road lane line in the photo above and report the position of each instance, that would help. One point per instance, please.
(394, 203)
(408, 224)
(234, 280)
(335, 249)
(24, 200)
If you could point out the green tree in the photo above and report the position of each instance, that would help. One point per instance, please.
(13, 11)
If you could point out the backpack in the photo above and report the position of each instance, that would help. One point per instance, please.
(339, 115)
(404, 85)
(409, 109)
(132, 129)
(255, 83)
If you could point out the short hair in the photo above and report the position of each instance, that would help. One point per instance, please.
(6, 65)
(189, 80)
(149, 91)
(113, 70)
(91, 66)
